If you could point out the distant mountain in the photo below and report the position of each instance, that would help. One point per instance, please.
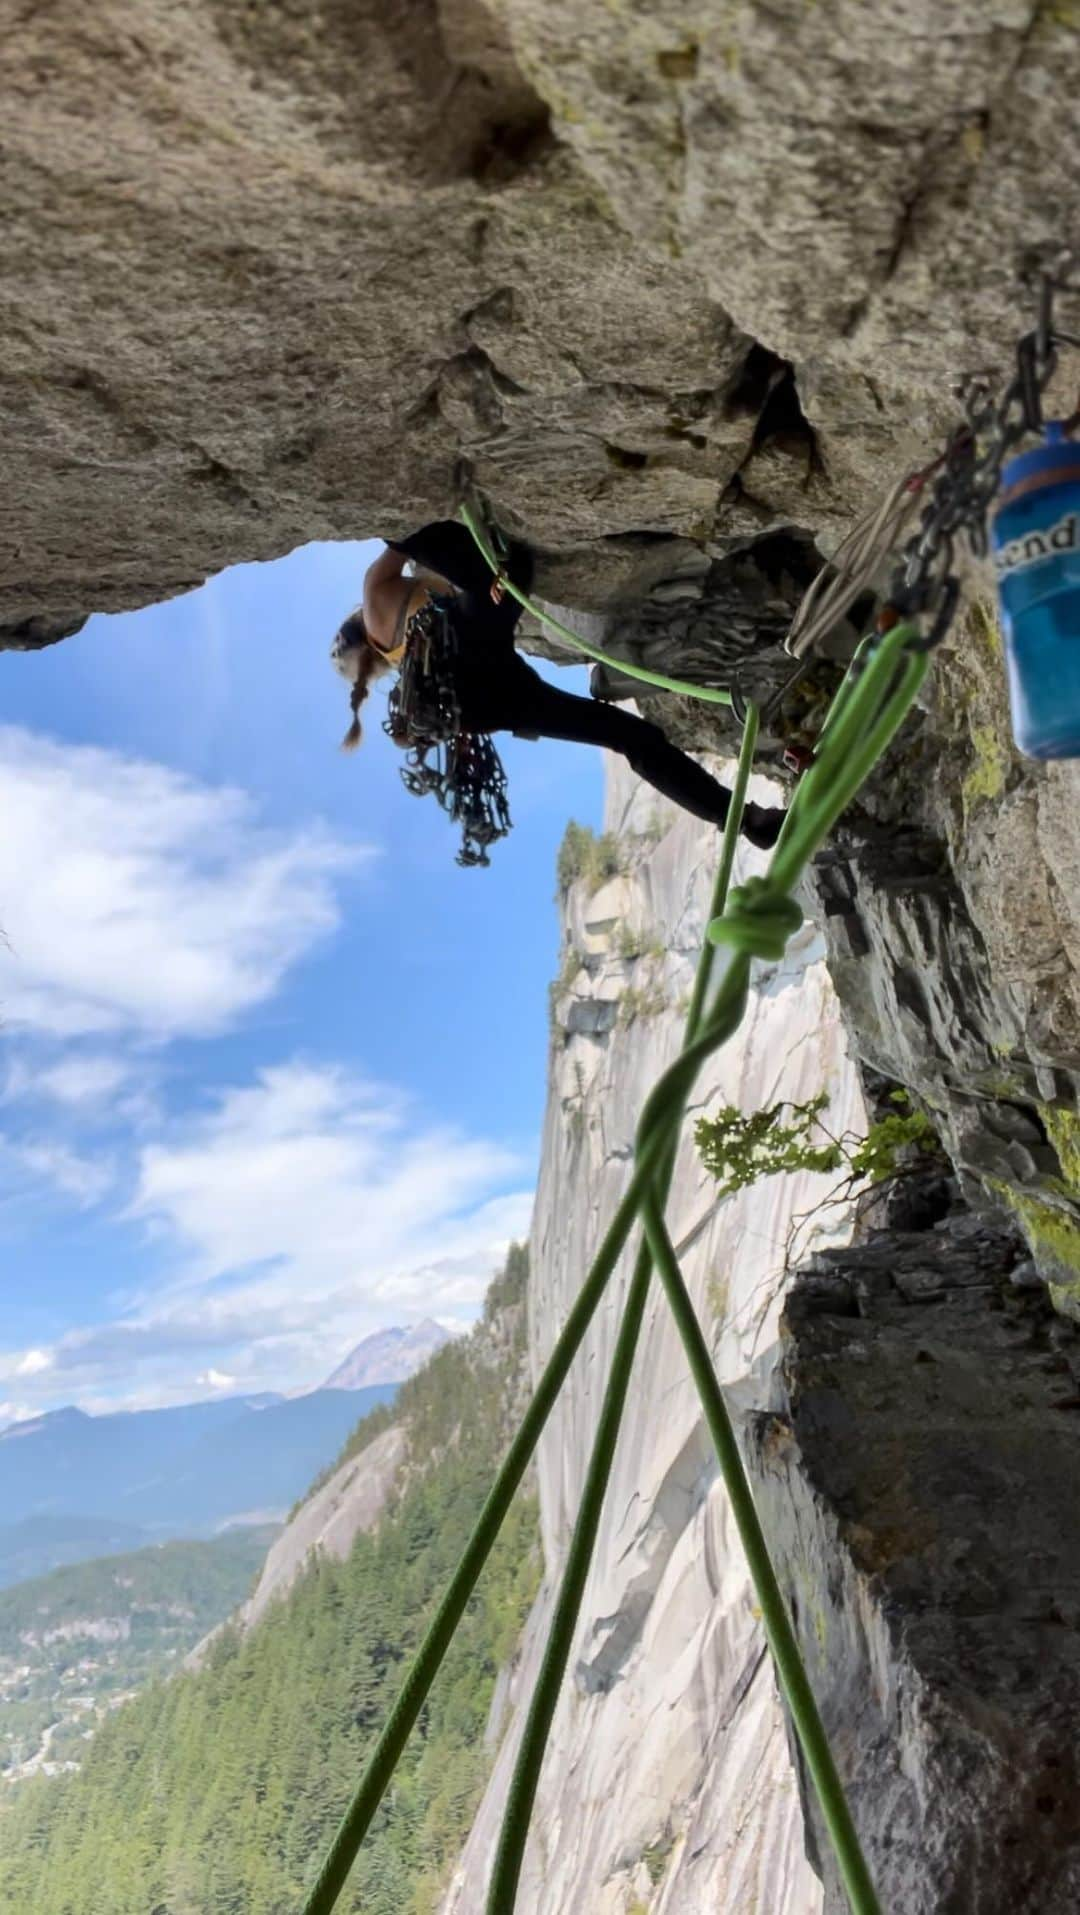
(39, 1543)
(388, 1356)
(185, 1471)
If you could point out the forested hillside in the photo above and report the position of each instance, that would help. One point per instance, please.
(73, 1642)
(214, 1793)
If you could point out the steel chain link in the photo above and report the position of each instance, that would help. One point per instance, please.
(969, 476)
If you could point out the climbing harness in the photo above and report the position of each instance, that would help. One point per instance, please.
(461, 769)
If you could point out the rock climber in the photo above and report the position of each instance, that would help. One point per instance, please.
(495, 689)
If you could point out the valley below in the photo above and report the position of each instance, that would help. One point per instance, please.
(76, 1644)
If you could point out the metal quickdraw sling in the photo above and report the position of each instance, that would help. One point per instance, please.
(461, 768)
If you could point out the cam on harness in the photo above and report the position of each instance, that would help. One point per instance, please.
(461, 768)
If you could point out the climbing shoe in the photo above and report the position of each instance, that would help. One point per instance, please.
(761, 824)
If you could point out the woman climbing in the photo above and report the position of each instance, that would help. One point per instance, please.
(462, 678)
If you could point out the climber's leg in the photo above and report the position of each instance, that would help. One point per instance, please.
(518, 699)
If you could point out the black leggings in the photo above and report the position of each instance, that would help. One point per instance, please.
(512, 697)
(500, 692)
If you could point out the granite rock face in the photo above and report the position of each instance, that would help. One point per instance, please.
(951, 905)
(326, 1523)
(913, 1473)
(653, 273)
(668, 1783)
(857, 184)
(270, 277)
(907, 1412)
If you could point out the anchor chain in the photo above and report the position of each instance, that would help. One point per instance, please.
(959, 497)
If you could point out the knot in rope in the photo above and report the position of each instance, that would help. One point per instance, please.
(758, 921)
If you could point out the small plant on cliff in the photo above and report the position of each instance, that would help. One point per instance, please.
(635, 942)
(657, 1856)
(740, 1150)
(644, 1004)
(584, 855)
(878, 1155)
(569, 967)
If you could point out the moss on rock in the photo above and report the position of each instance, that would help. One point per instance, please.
(1053, 1234)
(1063, 1130)
(986, 778)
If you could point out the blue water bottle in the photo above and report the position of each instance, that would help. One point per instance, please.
(1036, 544)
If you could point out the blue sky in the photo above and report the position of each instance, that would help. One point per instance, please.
(273, 1065)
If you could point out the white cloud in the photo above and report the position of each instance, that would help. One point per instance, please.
(134, 899)
(86, 1179)
(307, 1175)
(79, 1079)
(295, 1216)
(215, 1380)
(32, 1362)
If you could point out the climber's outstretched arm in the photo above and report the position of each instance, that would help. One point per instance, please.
(388, 566)
(384, 590)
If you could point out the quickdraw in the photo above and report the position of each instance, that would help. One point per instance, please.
(461, 769)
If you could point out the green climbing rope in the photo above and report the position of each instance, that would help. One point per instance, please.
(757, 921)
(790, 1668)
(708, 694)
(523, 1784)
(425, 1666)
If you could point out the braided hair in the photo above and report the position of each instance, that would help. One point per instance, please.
(357, 659)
